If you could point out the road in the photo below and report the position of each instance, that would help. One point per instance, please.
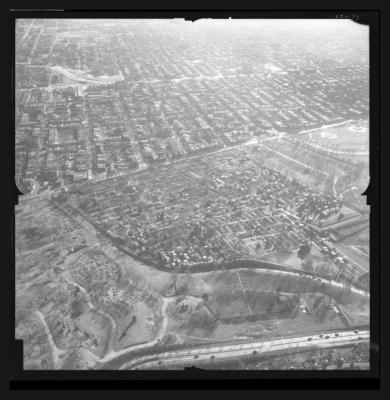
(55, 351)
(226, 351)
(130, 133)
(26, 33)
(335, 178)
(330, 282)
(82, 79)
(34, 46)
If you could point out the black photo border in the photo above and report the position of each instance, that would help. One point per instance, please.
(212, 379)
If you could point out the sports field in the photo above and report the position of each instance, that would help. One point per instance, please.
(352, 137)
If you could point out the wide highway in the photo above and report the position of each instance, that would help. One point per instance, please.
(226, 351)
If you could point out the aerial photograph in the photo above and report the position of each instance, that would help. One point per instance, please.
(191, 194)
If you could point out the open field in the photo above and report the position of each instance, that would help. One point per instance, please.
(292, 164)
(351, 138)
(326, 167)
(239, 298)
(133, 331)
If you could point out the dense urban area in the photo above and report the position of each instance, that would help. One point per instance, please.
(191, 194)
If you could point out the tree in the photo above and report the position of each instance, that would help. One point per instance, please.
(317, 302)
(201, 320)
(76, 308)
(340, 217)
(321, 313)
(303, 251)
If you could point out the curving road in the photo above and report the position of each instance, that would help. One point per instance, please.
(55, 351)
(210, 352)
